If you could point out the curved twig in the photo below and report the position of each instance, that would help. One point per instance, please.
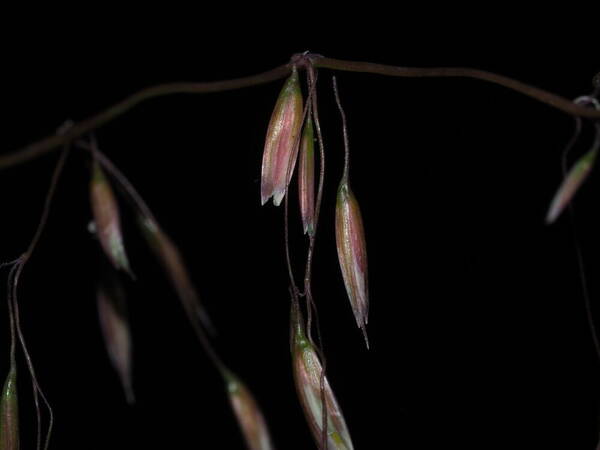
(51, 143)
(554, 100)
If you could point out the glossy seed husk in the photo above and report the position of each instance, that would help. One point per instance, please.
(306, 178)
(114, 325)
(248, 414)
(9, 413)
(107, 219)
(352, 253)
(307, 377)
(280, 152)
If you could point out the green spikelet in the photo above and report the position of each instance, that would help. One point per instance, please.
(9, 413)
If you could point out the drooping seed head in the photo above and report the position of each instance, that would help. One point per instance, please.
(307, 377)
(9, 413)
(248, 414)
(306, 178)
(571, 183)
(172, 261)
(106, 219)
(280, 152)
(352, 253)
(114, 325)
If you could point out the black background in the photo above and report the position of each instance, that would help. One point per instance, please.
(478, 329)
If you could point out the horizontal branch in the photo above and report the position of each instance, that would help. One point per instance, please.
(50, 143)
(53, 142)
(540, 95)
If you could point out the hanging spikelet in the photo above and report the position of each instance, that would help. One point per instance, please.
(106, 219)
(307, 377)
(352, 253)
(248, 415)
(171, 260)
(280, 152)
(350, 237)
(306, 178)
(9, 413)
(115, 330)
(576, 176)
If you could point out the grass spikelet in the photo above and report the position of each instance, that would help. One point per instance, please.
(307, 377)
(352, 253)
(248, 414)
(171, 260)
(281, 141)
(114, 324)
(306, 178)
(107, 220)
(571, 183)
(9, 412)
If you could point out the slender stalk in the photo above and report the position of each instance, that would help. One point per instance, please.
(311, 306)
(344, 130)
(288, 256)
(11, 318)
(13, 287)
(577, 242)
(209, 349)
(596, 84)
(312, 75)
(50, 143)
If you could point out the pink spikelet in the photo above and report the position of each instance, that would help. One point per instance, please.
(107, 219)
(352, 253)
(114, 325)
(170, 258)
(307, 377)
(279, 156)
(248, 414)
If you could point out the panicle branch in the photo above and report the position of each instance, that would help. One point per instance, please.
(80, 129)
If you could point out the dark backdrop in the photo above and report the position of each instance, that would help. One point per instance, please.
(478, 328)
